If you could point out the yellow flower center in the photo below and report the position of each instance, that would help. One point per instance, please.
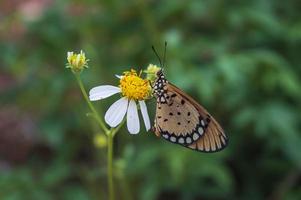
(134, 87)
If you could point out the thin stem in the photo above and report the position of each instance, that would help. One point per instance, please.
(115, 130)
(111, 135)
(102, 125)
(95, 113)
(110, 166)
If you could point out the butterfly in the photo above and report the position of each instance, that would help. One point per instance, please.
(181, 120)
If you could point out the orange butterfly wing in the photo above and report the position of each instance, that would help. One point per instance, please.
(214, 138)
(180, 119)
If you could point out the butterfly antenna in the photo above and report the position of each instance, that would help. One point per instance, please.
(164, 55)
(157, 55)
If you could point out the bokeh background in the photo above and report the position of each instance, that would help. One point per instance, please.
(240, 59)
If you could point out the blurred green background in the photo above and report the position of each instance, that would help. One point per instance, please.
(240, 59)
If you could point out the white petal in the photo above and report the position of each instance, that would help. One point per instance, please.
(103, 91)
(69, 54)
(118, 76)
(116, 112)
(145, 115)
(132, 118)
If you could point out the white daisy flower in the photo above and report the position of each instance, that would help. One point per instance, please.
(133, 89)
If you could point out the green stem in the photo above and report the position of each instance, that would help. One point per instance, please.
(115, 130)
(110, 166)
(111, 135)
(95, 113)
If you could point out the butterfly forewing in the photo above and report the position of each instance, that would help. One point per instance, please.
(180, 119)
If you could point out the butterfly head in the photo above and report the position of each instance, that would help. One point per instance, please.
(159, 84)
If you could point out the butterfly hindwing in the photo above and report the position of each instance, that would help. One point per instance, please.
(214, 138)
(180, 119)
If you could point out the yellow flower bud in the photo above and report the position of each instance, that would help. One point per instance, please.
(77, 62)
(151, 72)
(100, 141)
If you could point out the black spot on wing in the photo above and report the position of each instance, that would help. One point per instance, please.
(186, 138)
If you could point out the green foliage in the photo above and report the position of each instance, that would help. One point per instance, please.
(240, 59)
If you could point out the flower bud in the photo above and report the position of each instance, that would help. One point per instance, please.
(151, 72)
(77, 62)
